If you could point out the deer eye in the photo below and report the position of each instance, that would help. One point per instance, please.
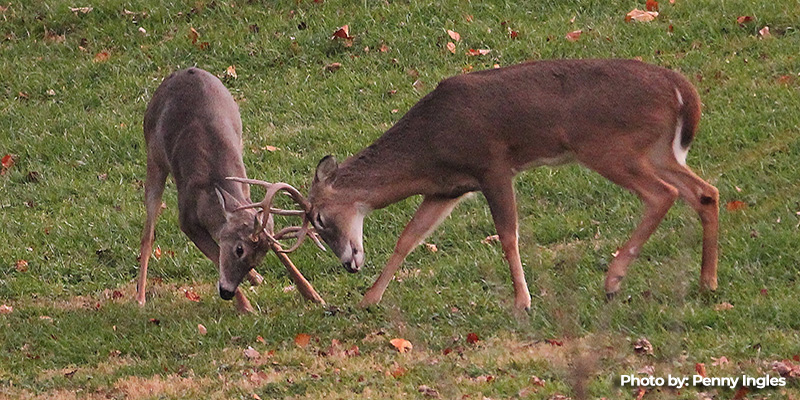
(239, 250)
(319, 222)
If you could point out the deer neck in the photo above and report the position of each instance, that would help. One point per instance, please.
(375, 178)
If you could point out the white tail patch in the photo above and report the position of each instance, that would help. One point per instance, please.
(678, 150)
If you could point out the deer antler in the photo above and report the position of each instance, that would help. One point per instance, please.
(299, 232)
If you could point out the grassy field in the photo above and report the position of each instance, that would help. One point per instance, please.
(73, 89)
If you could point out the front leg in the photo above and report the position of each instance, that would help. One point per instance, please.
(499, 194)
(203, 240)
(428, 216)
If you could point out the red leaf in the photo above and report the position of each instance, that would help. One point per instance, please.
(651, 5)
(741, 394)
(102, 56)
(472, 338)
(574, 35)
(193, 296)
(513, 34)
(8, 161)
(553, 342)
(402, 345)
(701, 369)
(342, 33)
(744, 19)
(302, 339)
(735, 205)
(21, 266)
(479, 52)
(193, 35)
(155, 321)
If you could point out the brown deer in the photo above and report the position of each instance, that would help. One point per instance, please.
(193, 130)
(629, 121)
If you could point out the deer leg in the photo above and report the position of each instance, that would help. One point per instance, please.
(254, 277)
(431, 212)
(704, 198)
(499, 194)
(153, 190)
(638, 176)
(203, 240)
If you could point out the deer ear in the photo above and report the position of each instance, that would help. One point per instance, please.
(326, 170)
(226, 201)
(257, 228)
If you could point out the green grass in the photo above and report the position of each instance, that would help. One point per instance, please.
(76, 124)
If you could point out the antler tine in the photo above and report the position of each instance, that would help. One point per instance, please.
(292, 213)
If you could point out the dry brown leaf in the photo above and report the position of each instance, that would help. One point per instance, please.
(735, 205)
(574, 35)
(398, 372)
(428, 391)
(6, 309)
(401, 345)
(451, 47)
(651, 5)
(643, 346)
(700, 368)
(553, 342)
(157, 253)
(490, 239)
(723, 306)
(333, 67)
(478, 52)
(201, 329)
(230, 72)
(261, 340)
(741, 394)
(193, 35)
(786, 369)
(384, 48)
(641, 15)
(764, 32)
(352, 352)
(302, 339)
(21, 266)
(743, 19)
(431, 247)
(342, 33)
(83, 10)
(102, 56)
(719, 361)
(454, 35)
(251, 353)
(535, 381)
(191, 295)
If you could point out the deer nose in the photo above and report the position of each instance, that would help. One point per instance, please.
(225, 294)
(351, 266)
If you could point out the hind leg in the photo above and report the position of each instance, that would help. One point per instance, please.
(638, 175)
(704, 198)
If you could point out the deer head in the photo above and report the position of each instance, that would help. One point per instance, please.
(242, 240)
(337, 220)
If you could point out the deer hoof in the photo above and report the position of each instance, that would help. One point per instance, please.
(522, 304)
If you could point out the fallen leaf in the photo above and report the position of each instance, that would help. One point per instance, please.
(651, 5)
(641, 15)
(643, 346)
(418, 84)
(454, 35)
(431, 247)
(512, 33)
(83, 10)
(333, 67)
(490, 239)
(302, 339)
(764, 292)
(398, 372)
(700, 368)
(251, 353)
(451, 47)
(201, 329)
(743, 19)
(384, 48)
(786, 369)
(203, 46)
(155, 321)
(741, 394)
(230, 72)
(535, 381)
(472, 338)
(401, 345)
(157, 253)
(7, 162)
(193, 35)
(735, 205)
(764, 32)
(21, 266)
(142, 31)
(479, 52)
(6, 309)
(352, 352)
(191, 295)
(102, 56)
(723, 306)
(255, 396)
(484, 378)
(428, 391)
(574, 35)
(719, 361)
(342, 33)
(647, 370)
(640, 394)
(553, 342)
